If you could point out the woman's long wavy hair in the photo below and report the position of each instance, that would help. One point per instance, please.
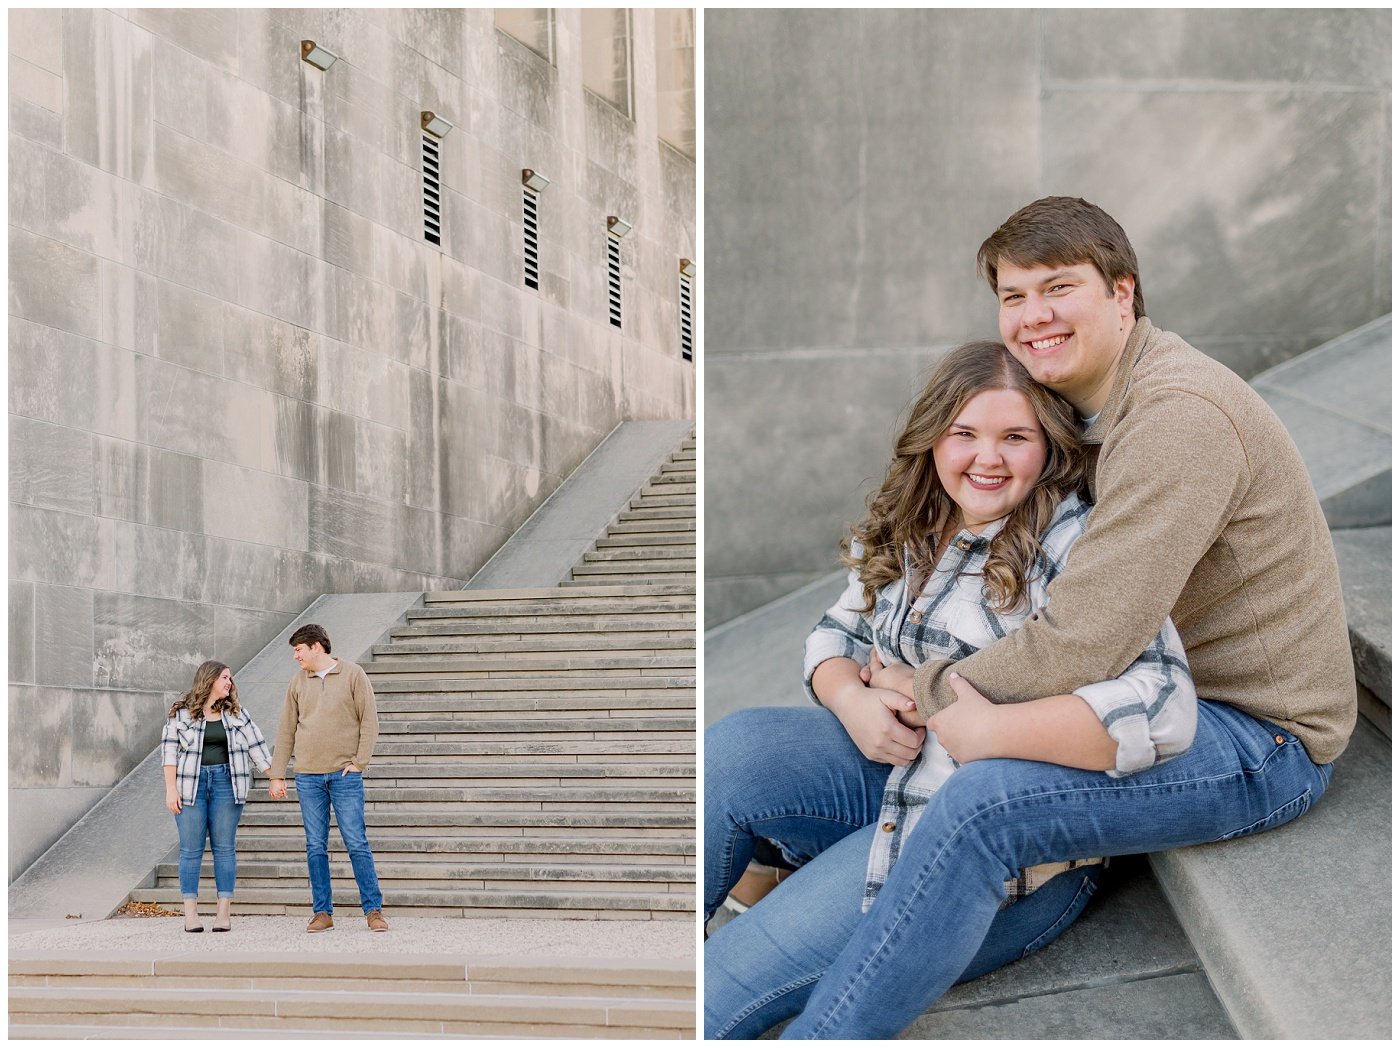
(911, 503)
(194, 699)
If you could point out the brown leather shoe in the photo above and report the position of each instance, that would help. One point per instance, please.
(376, 920)
(320, 922)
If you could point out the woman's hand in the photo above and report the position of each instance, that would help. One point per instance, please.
(871, 718)
(894, 677)
(968, 728)
(172, 801)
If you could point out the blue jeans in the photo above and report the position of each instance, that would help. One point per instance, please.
(212, 814)
(990, 819)
(761, 968)
(317, 794)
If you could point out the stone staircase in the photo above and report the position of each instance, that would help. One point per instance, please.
(536, 754)
(271, 995)
(654, 538)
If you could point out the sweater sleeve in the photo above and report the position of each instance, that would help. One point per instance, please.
(1169, 480)
(363, 695)
(842, 633)
(286, 734)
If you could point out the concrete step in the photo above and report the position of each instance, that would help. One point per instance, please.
(443, 902)
(652, 520)
(615, 642)
(612, 850)
(387, 995)
(1364, 557)
(1293, 925)
(599, 823)
(481, 688)
(1335, 401)
(664, 623)
(541, 664)
(507, 703)
(658, 501)
(388, 773)
(641, 553)
(255, 871)
(636, 539)
(601, 591)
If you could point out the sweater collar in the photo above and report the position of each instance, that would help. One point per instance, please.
(1112, 409)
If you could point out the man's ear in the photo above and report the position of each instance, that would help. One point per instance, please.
(1123, 289)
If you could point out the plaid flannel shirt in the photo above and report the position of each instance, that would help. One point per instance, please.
(182, 744)
(1149, 710)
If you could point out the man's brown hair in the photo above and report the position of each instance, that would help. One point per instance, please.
(311, 634)
(1063, 231)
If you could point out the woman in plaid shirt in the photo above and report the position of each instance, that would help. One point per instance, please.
(208, 749)
(972, 524)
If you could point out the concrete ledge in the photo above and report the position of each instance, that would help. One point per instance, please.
(546, 547)
(755, 659)
(1293, 926)
(1363, 555)
(1335, 401)
(114, 848)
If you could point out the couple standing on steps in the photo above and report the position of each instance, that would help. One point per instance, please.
(210, 744)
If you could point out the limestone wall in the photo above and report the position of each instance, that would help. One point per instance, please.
(855, 161)
(239, 375)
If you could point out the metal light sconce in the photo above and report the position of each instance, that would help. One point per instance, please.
(434, 124)
(533, 180)
(618, 227)
(317, 55)
(687, 268)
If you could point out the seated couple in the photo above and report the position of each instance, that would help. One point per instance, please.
(1002, 692)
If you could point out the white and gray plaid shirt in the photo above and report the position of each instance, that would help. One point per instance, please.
(182, 744)
(1149, 710)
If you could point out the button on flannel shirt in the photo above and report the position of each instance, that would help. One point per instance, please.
(182, 744)
(1149, 710)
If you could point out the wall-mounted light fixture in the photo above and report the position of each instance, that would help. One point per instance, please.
(435, 125)
(534, 181)
(317, 55)
(618, 227)
(687, 268)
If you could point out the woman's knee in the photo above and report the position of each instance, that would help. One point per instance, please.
(740, 750)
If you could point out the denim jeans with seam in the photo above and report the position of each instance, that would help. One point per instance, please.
(212, 814)
(993, 817)
(317, 794)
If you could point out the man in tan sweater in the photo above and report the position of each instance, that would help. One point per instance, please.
(1204, 511)
(329, 726)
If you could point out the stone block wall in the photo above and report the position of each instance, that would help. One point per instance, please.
(855, 161)
(239, 375)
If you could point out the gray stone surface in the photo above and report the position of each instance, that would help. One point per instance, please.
(1293, 926)
(1335, 401)
(1364, 559)
(801, 474)
(1123, 970)
(239, 376)
(755, 659)
(857, 159)
(128, 827)
(545, 548)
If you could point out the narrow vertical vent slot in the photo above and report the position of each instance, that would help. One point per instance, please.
(432, 192)
(687, 328)
(614, 282)
(532, 240)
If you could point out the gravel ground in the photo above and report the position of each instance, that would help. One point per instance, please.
(477, 938)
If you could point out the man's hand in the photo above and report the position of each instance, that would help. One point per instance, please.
(894, 677)
(968, 728)
(277, 789)
(348, 769)
(871, 718)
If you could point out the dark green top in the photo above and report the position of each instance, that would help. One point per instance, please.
(215, 742)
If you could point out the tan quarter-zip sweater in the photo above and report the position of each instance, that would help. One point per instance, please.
(327, 722)
(1204, 512)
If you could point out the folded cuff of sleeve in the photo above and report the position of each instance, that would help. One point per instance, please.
(1124, 717)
